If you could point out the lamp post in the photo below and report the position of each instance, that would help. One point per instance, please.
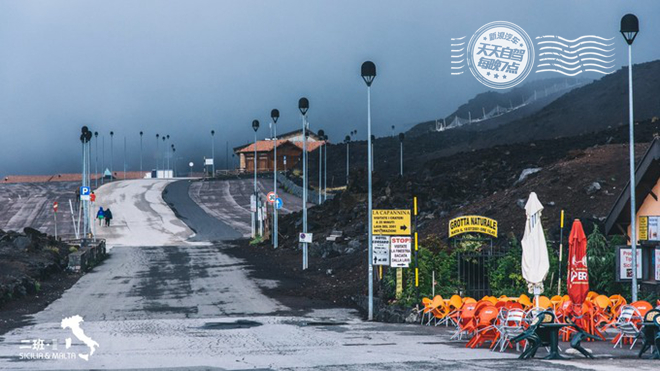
(174, 172)
(164, 149)
(167, 153)
(157, 153)
(255, 127)
(141, 133)
(321, 134)
(173, 159)
(347, 140)
(275, 115)
(112, 156)
(629, 30)
(368, 72)
(124, 157)
(213, 150)
(96, 160)
(303, 106)
(373, 140)
(191, 167)
(325, 167)
(401, 136)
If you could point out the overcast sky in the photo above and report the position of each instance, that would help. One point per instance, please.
(185, 67)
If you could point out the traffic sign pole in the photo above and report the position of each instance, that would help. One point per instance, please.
(55, 216)
(416, 248)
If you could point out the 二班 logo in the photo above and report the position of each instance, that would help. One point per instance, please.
(500, 55)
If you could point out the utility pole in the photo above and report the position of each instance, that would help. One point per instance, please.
(368, 72)
(303, 106)
(275, 115)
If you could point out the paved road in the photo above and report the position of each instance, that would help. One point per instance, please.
(229, 201)
(165, 302)
(31, 205)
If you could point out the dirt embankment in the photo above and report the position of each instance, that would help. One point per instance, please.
(32, 274)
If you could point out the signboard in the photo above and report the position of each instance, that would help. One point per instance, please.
(390, 222)
(271, 197)
(305, 237)
(278, 203)
(381, 249)
(401, 252)
(657, 264)
(399, 283)
(649, 228)
(625, 263)
(253, 203)
(55, 205)
(208, 162)
(472, 223)
(84, 193)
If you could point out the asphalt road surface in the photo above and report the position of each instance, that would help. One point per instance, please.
(31, 205)
(162, 301)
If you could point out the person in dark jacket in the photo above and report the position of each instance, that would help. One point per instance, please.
(107, 215)
(100, 215)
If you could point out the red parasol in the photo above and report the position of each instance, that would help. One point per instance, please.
(578, 274)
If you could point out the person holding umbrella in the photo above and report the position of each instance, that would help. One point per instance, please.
(535, 262)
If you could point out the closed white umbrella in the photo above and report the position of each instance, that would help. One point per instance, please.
(535, 262)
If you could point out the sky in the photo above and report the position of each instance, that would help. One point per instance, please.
(185, 68)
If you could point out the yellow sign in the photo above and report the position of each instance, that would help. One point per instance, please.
(390, 222)
(472, 223)
(399, 283)
(643, 228)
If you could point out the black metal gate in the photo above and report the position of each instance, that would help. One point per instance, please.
(474, 267)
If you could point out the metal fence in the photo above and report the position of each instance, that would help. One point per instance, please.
(474, 269)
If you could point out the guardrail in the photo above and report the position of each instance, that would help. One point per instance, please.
(289, 186)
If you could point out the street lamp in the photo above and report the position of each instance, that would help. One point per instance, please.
(157, 153)
(141, 133)
(303, 106)
(96, 160)
(112, 157)
(191, 167)
(347, 140)
(164, 149)
(321, 134)
(401, 136)
(255, 127)
(368, 72)
(373, 141)
(167, 153)
(213, 150)
(275, 115)
(325, 167)
(629, 30)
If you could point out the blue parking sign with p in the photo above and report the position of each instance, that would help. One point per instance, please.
(85, 191)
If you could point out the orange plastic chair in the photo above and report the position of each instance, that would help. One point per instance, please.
(485, 329)
(591, 295)
(544, 302)
(466, 324)
(642, 306)
(524, 300)
(454, 305)
(468, 300)
(426, 309)
(438, 310)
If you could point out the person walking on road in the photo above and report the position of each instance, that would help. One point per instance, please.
(99, 215)
(107, 215)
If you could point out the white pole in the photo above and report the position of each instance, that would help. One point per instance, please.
(325, 172)
(304, 199)
(73, 219)
(633, 217)
(320, 188)
(275, 185)
(369, 202)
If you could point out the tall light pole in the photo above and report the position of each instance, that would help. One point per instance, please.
(173, 159)
(255, 127)
(141, 133)
(157, 140)
(124, 157)
(164, 149)
(167, 153)
(629, 30)
(401, 136)
(213, 150)
(96, 160)
(303, 106)
(373, 140)
(103, 161)
(347, 140)
(368, 75)
(112, 156)
(321, 134)
(275, 115)
(325, 167)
